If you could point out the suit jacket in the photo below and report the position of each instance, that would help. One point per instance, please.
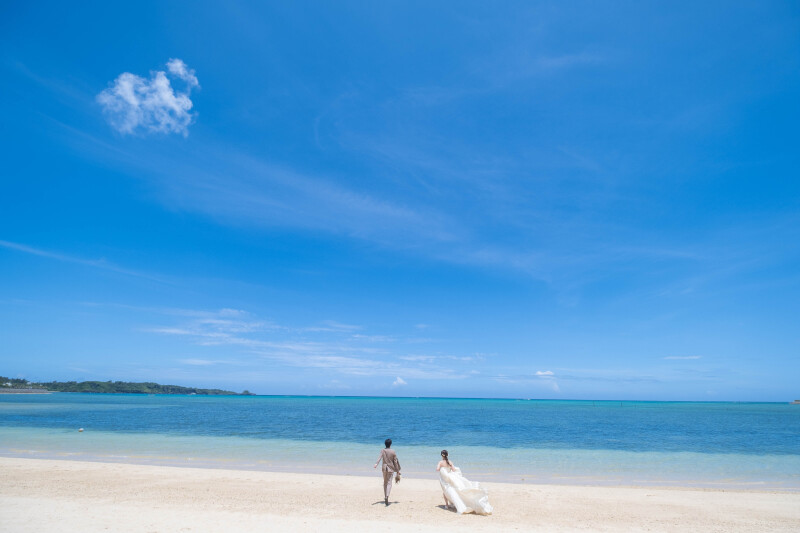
(390, 462)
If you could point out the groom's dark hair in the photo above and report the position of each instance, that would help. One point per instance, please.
(388, 443)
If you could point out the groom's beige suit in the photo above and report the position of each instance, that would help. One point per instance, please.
(390, 466)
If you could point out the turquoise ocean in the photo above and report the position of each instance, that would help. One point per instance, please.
(704, 444)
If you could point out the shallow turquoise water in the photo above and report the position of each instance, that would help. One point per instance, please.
(743, 445)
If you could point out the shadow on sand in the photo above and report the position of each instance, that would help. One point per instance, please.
(381, 502)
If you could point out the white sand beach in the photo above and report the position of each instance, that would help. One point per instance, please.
(57, 495)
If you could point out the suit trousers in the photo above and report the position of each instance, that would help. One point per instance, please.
(388, 478)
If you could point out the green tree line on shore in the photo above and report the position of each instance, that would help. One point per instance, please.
(111, 387)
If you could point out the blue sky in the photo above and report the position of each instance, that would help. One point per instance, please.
(536, 200)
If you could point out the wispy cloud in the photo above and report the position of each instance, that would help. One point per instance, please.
(600, 376)
(95, 263)
(550, 243)
(332, 325)
(496, 73)
(204, 362)
(541, 378)
(374, 338)
(329, 348)
(610, 376)
(239, 189)
(335, 384)
(419, 358)
(399, 382)
(520, 378)
(133, 104)
(564, 61)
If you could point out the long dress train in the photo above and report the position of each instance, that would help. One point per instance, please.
(467, 496)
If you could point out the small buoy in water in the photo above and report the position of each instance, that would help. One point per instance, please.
(80, 430)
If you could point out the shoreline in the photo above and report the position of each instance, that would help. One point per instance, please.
(342, 470)
(519, 466)
(40, 493)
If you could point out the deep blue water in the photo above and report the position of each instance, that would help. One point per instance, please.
(717, 428)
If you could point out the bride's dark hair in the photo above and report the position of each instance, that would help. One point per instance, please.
(444, 456)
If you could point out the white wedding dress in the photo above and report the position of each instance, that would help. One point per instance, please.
(467, 496)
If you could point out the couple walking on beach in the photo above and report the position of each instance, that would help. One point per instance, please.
(460, 494)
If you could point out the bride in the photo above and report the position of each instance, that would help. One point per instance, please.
(463, 495)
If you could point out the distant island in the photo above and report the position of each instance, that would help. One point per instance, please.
(108, 387)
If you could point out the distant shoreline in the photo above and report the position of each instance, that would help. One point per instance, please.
(45, 391)
(24, 386)
(5, 390)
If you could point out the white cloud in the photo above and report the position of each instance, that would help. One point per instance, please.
(399, 382)
(133, 104)
(683, 357)
(549, 377)
(179, 69)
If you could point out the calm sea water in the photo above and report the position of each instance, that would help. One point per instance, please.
(742, 445)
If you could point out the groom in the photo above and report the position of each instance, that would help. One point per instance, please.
(390, 466)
